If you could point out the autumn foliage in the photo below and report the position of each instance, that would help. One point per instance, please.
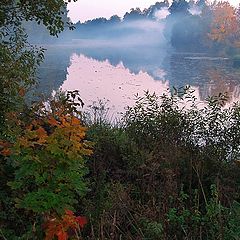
(61, 226)
(225, 26)
(49, 157)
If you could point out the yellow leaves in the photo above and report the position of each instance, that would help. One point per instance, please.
(71, 140)
(23, 142)
(59, 135)
(64, 138)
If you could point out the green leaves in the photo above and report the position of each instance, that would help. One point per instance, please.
(43, 200)
(49, 157)
(29, 169)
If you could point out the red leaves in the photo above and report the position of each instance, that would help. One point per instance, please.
(60, 227)
(69, 212)
(62, 235)
(82, 221)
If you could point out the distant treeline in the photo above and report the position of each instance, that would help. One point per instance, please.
(186, 26)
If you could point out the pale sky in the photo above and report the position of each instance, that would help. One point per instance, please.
(89, 9)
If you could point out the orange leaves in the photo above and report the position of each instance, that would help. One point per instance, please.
(52, 121)
(60, 135)
(41, 135)
(75, 121)
(50, 166)
(59, 227)
(67, 133)
(63, 120)
(5, 148)
(224, 25)
(6, 152)
(22, 92)
(34, 135)
(57, 134)
(62, 235)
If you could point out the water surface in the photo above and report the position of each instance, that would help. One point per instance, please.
(117, 74)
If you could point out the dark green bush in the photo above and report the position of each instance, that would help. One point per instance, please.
(171, 171)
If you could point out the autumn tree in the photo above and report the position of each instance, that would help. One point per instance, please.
(224, 26)
(48, 163)
(39, 178)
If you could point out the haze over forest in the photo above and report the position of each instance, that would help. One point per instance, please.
(87, 10)
(182, 25)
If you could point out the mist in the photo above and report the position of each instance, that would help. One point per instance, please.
(169, 43)
(129, 34)
(163, 26)
(195, 10)
(162, 13)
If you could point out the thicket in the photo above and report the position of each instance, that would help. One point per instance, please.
(169, 170)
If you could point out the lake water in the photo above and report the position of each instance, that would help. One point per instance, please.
(115, 74)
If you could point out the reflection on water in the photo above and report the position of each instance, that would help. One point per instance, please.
(101, 80)
(224, 82)
(118, 74)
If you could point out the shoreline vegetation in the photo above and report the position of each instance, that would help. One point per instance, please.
(164, 172)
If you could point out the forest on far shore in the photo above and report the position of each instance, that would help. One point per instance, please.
(188, 26)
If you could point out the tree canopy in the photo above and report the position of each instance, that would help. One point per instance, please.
(18, 58)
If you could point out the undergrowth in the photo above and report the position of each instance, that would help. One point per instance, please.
(169, 170)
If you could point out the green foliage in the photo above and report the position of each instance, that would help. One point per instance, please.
(50, 13)
(19, 60)
(152, 229)
(42, 148)
(233, 228)
(138, 188)
(168, 172)
(18, 66)
(49, 162)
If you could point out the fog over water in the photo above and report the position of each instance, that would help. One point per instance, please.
(116, 75)
(155, 49)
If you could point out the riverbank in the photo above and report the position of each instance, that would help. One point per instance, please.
(163, 172)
